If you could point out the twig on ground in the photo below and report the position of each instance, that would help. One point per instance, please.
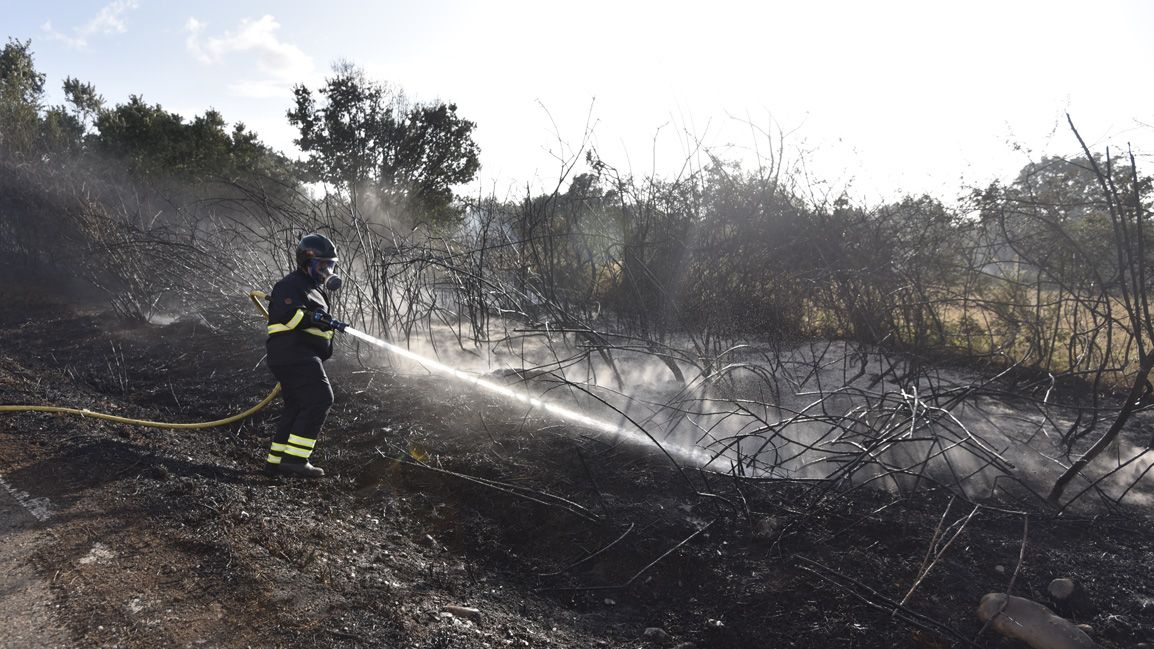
(928, 563)
(1013, 578)
(532, 495)
(881, 602)
(590, 556)
(632, 579)
(592, 480)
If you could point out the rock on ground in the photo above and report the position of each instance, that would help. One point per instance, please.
(1032, 623)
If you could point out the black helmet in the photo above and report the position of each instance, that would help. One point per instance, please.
(315, 246)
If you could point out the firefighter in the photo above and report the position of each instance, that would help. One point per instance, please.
(300, 339)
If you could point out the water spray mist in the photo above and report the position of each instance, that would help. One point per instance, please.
(693, 455)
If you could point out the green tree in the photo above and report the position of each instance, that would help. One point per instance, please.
(60, 131)
(360, 132)
(155, 142)
(63, 128)
(1053, 217)
(431, 151)
(139, 134)
(21, 91)
(86, 103)
(746, 255)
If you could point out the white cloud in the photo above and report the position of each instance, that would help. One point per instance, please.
(192, 43)
(70, 41)
(278, 63)
(109, 20)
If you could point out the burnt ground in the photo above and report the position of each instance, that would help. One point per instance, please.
(168, 538)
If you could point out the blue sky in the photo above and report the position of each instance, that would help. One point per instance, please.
(881, 97)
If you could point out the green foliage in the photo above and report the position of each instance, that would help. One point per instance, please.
(361, 132)
(61, 131)
(18, 72)
(430, 151)
(343, 134)
(21, 91)
(156, 143)
(1055, 218)
(567, 235)
(85, 101)
(26, 128)
(744, 255)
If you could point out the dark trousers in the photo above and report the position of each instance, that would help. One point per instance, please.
(307, 399)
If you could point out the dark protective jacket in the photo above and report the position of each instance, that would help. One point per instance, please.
(293, 335)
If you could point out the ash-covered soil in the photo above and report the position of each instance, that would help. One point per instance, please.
(450, 519)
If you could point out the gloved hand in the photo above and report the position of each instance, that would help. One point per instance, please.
(326, 321)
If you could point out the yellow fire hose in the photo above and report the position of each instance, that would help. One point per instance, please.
(256, 297)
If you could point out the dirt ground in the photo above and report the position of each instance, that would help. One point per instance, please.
(510, 531)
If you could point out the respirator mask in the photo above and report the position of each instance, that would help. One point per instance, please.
(323, 272)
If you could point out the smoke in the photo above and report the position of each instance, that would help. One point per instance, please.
(533, 402)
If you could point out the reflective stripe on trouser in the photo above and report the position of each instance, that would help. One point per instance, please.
(307, 399)
(274, 453)
(298, 446)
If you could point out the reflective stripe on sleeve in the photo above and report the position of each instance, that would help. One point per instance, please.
(327, 335)
(290, 325)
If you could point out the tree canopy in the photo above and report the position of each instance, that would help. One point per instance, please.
(154, 141)
(21, 93)
(362, 134)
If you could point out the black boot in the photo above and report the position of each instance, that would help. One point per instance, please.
(300, 470)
